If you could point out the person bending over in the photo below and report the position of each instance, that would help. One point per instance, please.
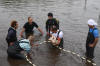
(16, 50)
(56, 37)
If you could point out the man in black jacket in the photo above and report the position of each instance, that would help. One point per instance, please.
(11, 36)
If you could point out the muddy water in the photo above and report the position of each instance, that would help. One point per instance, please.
(72, 14)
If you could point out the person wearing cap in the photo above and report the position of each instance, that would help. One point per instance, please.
(92, 39)
(50, 22)
(28, 28)
(56, 37)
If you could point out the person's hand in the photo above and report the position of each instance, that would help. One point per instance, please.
(42, 33)
(36, 44)
(50, 39)
(21, 35)
(91, 45)
(48, 34)
(32, 45)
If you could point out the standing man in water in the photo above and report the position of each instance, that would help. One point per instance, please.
(28, 28)
(50, 22)
(92, 38)
(11, 36)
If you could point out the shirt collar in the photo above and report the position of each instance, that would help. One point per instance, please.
(13, 28)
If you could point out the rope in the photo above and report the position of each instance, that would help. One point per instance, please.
(73, 53)
(68, 51)
(29, 61)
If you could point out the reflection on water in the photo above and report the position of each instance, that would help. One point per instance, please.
(72, 17)
(16, 62)
(85, 4)
(99, 20)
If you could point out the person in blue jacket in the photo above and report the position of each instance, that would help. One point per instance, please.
(11, 36)
(92, 38)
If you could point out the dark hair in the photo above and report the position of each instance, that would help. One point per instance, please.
(54, 28)
(13, 23)
(29, 18)
(50, 14)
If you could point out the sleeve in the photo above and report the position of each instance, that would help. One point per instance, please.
(11, 36)
(61, 34)
(96, 33)
(35, 24)
(46, 26)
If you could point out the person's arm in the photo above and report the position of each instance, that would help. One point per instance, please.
(94, 43)
(35, 24)
(23, 29)
(47, 26)
(40, 30)
(21, 33)
(58, 41)
(49, 34)
(96, 35)
(32, 44)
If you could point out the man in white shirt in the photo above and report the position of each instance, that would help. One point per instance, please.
(57, 36)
